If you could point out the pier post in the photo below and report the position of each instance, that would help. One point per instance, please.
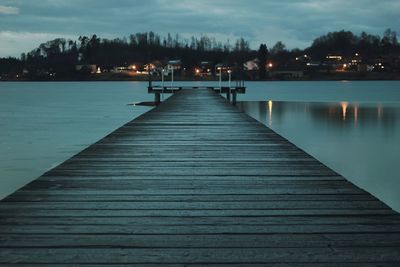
(157, 99)
(228, 96)
(234, 97)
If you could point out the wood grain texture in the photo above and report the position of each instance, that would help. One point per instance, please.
(195, 182)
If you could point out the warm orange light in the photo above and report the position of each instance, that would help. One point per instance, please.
(344, 66)
(270, 112)
(344, 109)
(270, 65)
(197, 71)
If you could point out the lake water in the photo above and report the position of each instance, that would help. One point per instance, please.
(43, 124)
(353, 127)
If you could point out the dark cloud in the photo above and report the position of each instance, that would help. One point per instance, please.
(26, 23)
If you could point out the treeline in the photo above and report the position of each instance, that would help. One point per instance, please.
(347, 44)
(60, 56)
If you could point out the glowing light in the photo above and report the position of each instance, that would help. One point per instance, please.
(270, 65)
(197, 71)
(344, 106)
(308, 64)
(270, 112)
(134, 67)
(334, 57)
(355, 115)
(344, 65)
(379, 64)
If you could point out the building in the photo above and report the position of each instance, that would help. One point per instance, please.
(173, 65)
(86, 68)
(205, 69)
(251, 65)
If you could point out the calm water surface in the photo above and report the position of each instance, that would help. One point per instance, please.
(353, 127)
(43, 124)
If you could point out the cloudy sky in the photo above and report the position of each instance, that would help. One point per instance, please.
(24, 24)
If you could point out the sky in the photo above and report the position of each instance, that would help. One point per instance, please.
(24, 24)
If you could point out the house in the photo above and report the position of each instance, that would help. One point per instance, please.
(251, 65)
(335, 62)
(120, 69)
(155, 67)
(173, 66)
(86, 68)
(222, 67)
(205, 69)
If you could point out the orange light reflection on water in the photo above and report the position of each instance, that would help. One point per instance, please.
(344, 106)
(270, 112)
(355, 115)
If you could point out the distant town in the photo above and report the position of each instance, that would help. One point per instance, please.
(336, 55)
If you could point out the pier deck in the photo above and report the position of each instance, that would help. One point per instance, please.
(194, 182)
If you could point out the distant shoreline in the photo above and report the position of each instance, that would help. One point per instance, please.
(144, 78)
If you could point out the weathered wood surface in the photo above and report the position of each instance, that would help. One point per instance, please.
(195, 182)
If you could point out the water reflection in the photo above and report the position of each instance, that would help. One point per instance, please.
(358, 140)
(338, 115)
(344, 109)
(270, 112)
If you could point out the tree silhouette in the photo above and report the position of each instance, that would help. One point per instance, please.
(262, 57)
(60, 56)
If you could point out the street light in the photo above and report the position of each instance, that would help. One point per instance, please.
(162, 77)
(229, 83)
(220, 78)
(172, 76)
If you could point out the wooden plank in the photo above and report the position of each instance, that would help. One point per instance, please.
(216, 205)
(317, 221)
(199, 255)
(195, 182)
(54, 196)
(281, 240)
(212, 213)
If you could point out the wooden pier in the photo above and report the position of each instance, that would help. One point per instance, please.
(231, 92)
(195, 182)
